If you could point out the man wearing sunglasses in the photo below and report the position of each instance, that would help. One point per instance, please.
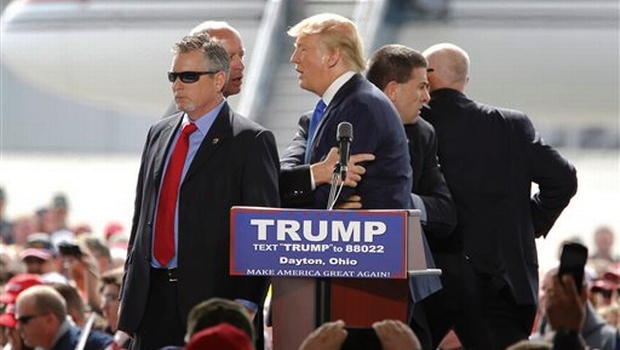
(230, 38)
(196, 164)
(41, 314)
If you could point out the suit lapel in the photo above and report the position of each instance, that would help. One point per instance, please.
(163, 145)
(344, 91)
(416, 154)
(219, 132)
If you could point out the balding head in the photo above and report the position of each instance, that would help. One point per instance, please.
(42, 299)
(40, 311)
(209, 26)
(230, 38)
(448, 67)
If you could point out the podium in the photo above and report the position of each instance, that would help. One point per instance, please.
(301, 303)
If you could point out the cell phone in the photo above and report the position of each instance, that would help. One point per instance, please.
(361, 338)
(573, 261)
(69, 249)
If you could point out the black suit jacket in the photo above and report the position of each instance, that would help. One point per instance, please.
(377, 129)
(490, 157)
(236, 164)
(428, 181)
(295, 178)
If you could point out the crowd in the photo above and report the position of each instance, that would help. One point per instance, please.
(165, 284)
(56, 295)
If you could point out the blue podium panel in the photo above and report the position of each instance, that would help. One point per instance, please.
(318, 243)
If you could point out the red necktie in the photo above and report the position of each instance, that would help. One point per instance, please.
(166, 209)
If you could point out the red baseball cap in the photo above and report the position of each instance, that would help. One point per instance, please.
(613, 273)
(602, 285)
(17, 285)
(7, 319)
(221, 337)
(113, 228)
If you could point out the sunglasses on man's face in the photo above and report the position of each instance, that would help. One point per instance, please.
(188, 77)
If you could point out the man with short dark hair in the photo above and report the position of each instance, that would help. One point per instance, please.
(400, 72)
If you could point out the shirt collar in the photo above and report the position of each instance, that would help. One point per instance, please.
(204, 123)
(331, 91)
(64, 328)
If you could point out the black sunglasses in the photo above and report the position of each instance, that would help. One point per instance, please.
(26, 318)
(188, 77)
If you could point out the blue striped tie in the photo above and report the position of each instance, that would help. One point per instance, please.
(314, 123)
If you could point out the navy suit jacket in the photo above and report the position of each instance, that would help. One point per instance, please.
(490, 157)
(69, 340)
(377, 129)
(236, 164)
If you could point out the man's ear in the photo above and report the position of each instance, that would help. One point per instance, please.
(333, 57)
(220, 80)
(391, 90)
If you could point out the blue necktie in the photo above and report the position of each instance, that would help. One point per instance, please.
(314, 123)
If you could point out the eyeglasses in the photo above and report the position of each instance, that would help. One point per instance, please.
(188, 77)
(26, 318)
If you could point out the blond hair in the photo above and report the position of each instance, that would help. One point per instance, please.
(335, 32)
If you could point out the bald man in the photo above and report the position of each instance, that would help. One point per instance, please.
(230, 38)
(41, 314)
(490, 156)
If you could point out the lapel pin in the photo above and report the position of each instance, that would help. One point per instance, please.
(215, 141)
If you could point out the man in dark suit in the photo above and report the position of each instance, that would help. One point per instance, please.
(41, 314)
(230, 161)
(490, 156)
(298, 180)
(400, 72)
(329, 58)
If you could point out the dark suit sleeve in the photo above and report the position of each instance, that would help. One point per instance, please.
(556, 179)
(295, 152)
(260, 175)
(433, 190)
(295, 179)
(137, 211)
(368, 118)
(259, 188)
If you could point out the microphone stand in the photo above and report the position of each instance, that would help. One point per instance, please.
(323, 309)
(335, 189)
(344, 136)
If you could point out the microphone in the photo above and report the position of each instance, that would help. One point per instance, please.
(344, 136)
